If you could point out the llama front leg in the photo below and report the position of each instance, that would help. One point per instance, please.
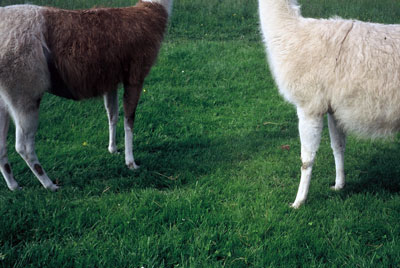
(26, 125)
(5, 167)
(338, 144)
(310, 128)
(131, 99)
(111, 104)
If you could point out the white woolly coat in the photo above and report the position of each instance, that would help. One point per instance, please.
(347, 67)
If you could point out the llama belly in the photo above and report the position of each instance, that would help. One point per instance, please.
(369, 121)
(57, 85)
(369, 108)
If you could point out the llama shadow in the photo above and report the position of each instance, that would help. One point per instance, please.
(379, 173)
(175, 164)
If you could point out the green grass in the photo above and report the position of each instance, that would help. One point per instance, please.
(214, 184)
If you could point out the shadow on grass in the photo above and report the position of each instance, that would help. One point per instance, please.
(380, 172)
(177, 163)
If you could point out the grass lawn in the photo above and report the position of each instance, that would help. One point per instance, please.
(219, 154)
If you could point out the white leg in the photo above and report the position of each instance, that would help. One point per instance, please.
(26, 125)
(129, 159)
(5, 167)
(338, 144)
(310, 129)
(111, 104)
(131, 100)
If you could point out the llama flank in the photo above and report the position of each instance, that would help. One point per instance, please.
(347, 69)
(76, 55)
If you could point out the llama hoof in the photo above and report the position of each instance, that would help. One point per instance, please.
(53, 188)
(337, 188)
(113, 149)
(295, 205)
(133, 166)
(15, 188)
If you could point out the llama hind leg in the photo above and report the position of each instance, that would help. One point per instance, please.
(5, 167)
(111, 104)
(131, 99)
(310, 129)
(26, 125)
(338, 144)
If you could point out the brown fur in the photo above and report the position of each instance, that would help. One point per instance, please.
(92, 51)
(7, 168)
(39, 169)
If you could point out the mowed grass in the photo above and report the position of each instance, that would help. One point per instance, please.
(219, 155)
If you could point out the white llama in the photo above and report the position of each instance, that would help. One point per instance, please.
(347, 69)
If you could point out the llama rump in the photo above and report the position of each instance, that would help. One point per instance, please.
(347, 69)
(75, 54)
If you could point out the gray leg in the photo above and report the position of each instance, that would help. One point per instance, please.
(26, 126)
(111, 104)
(5, 167)
(338, 144)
